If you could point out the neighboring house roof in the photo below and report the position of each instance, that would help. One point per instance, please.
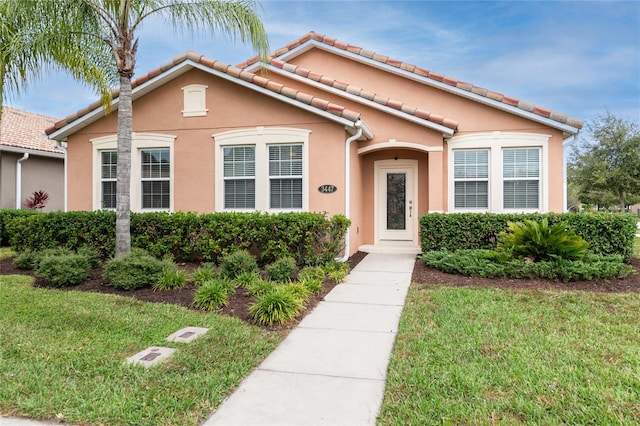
(189, 60)
(23, 131)
(445, 82)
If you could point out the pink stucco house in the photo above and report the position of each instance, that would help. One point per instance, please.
(323, 126)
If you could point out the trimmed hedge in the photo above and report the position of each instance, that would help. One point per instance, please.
(606, 233)
(6, 215)
(311, 238)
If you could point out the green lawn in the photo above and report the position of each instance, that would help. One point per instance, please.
(486, 356)
(6, 252)
(636, 247)
(62, 355)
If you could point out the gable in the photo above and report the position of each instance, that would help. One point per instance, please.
(324, 54)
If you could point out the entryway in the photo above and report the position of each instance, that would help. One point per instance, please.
(396, 203)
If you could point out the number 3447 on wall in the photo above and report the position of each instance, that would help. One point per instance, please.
(327, 189)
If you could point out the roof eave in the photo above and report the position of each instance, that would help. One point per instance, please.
(177, 70)
(138, 91)
(31, 151)
(565, 128)
(446, 131)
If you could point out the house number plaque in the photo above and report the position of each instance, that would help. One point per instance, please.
(327, 189)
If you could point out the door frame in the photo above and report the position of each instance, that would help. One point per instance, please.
(403, 165)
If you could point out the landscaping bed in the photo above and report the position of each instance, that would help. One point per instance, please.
(237, 306)
(426, 275)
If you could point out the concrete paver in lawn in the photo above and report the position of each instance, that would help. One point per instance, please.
(331, 369)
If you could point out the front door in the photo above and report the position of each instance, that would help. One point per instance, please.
(396, 202)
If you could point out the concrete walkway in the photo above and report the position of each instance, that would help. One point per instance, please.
(332, 368)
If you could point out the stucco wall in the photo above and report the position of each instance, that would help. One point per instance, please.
(472, 116)
(230, 107)
(38, 173)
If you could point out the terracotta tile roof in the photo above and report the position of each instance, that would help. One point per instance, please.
(22, 129)
(357, 91)
(526, 106)
(257, 80)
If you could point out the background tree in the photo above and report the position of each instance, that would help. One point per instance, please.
(608, 165)
(114, 23)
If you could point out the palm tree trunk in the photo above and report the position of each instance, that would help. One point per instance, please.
(123, 170)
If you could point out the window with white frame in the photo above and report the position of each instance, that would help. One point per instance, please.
(155, 178)
(239, 177)
(262, 169)
(498, 171)
(108, 164)
(521, 176)
(151, 172)
(285, 176)
(471, 179)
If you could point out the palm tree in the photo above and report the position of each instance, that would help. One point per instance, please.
(28, 50)
(114, 23)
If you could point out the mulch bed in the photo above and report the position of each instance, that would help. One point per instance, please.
(426, 275)
(238, 305)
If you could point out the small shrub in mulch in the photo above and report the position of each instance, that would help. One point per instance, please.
(134, 270)
(63, 270)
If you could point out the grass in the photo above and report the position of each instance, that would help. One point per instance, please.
(636, 247)
(6, 252)
(62, 356)
(486, 356)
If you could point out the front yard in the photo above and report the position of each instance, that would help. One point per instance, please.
(463, 355)
(62, 355)
(485, 356)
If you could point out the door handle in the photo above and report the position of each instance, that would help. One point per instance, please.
(410, 207)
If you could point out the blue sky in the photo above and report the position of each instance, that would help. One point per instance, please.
(577, 58)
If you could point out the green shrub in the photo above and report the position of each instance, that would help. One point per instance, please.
(237, 263)
(315, 272)
(282, 269)
(63, 270)
(298, 290)
(172, 279)
(260, 287)
(92, 255)
(212, 295)
(337, 271)
(313, 237)
(490, 264)
(206, 272)
(247, 279)
(606, 233)
(132, 271)
(25, 260)
(538, 241)
(312, 284)
(30, 259)
(275, 307)
(6, 216)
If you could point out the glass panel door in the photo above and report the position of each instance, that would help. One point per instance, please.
(396, 198)
(396, 201)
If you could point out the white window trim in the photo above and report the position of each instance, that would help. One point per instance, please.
(194, 100)
(261, 138)
(139, 141)
(453, 182)
(495, 142)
